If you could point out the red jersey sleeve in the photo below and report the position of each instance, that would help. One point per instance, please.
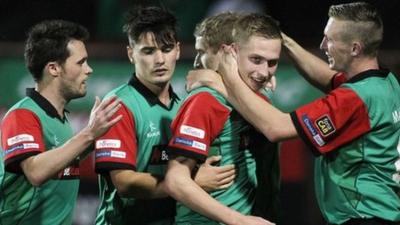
(199, 121)
(21, 138)
(330, 122)
(117, 148)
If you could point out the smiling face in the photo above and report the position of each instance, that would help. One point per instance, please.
(75, 71)
(154, 62)
(258, 60)
(335, 48)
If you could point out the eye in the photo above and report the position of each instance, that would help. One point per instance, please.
(272, 63)
(82, 61)
(148, 51)
(256, 60)
(167, 48)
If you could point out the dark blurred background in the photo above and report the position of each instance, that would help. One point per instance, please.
(304, 20)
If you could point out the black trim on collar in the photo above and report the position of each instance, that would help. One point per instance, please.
(149, 95)
(397, 77)
(45, 104)
(369, 73)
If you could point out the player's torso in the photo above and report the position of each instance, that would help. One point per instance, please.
(363, 176)
(52, 202)
(152, 131)
(237, 144)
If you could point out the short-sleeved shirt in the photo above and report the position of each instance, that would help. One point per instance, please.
(207, 125)
(30, 127)
(137, 142)
(355, 130)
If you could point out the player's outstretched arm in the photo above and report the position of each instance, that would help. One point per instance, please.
(44, 166)
(312, 68)
(140, 185)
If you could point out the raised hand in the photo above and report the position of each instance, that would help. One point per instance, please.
(204, 77)
(212, 178)
(228, 66)
(101, 115)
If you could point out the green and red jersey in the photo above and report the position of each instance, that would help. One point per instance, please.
(207, 125)
(30, 127)
(355, 130)
(137, 142)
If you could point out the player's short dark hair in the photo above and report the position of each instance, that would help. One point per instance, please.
(365, 24)
(152, 19)
(47, 41)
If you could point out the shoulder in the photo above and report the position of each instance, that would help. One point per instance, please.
(120, 91)
(24, 106)
(207, 93)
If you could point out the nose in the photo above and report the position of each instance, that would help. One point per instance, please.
(264, 71)
(159, 57)
(322, 46)
(197, 62)
(89, 69)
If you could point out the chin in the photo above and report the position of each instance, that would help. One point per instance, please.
(79, 95)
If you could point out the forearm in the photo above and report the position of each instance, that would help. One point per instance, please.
(181, 186)
(274, 124)
(311, 67)
(132, 184)
(44, 166)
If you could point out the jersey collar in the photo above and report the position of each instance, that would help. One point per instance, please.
(369, 73)
(151, 98)
(45, 104)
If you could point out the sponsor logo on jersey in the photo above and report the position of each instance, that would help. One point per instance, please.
(111, 153)
(191, 143)
(192, 131)
(316, 136)
(22, 146)
(14, 148)
(325, 125)
(118, 154)
(56, 141)
(108, 143)
(159, 155)
(396, 116)
(153, 131)
(19, 138)
(71, 172)
(31, 145)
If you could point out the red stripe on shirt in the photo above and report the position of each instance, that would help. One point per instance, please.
(119, 144)
(21, 137)
(200, 114)
(334, 120)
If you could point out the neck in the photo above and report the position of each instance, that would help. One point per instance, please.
(360, 65)
(160, 90)
(53, 96)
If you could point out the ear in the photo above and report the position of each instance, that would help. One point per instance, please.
(356, 48)
(53, 68)
(129, 52)
(235, 47)
(178, 50)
